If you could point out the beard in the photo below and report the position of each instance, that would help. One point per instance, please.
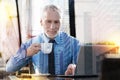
(51, 36)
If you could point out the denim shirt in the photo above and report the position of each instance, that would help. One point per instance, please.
(66, 49)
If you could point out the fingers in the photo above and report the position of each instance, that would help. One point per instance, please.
(70, 70)
(36, 46)
(33, 49)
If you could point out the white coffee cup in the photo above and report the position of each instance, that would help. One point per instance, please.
(46, 47)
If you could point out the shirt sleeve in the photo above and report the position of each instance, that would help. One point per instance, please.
(19, 60)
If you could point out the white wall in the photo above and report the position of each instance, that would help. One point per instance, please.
(97, 20)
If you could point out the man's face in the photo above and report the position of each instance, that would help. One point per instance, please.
(51, 23)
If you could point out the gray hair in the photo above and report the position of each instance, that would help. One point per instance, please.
(51, 7)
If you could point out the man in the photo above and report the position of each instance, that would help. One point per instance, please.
(66, 47)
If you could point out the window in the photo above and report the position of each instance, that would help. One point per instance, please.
(9, 36)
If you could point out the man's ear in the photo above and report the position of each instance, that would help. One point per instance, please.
(41, 22)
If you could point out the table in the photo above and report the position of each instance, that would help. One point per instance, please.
(51, 77)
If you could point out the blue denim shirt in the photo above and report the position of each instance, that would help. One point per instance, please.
(66, 49)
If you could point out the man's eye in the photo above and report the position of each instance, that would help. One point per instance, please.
(49, 21)
(56, 21)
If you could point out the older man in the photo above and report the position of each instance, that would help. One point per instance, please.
(65, 51)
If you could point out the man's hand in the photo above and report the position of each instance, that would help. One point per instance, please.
(33, 49)
(70, 69)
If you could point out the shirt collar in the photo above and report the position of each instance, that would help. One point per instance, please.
(57, 38)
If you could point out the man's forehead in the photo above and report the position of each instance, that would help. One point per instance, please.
(51, 13)
(51, 19)
(51, 16)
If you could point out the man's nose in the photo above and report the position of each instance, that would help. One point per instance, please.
(52, 26)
